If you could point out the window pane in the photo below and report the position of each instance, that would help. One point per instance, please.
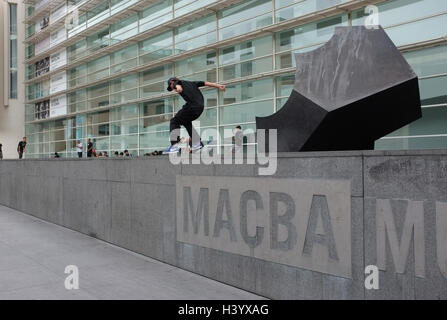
(208, 118)
(399, 11)
(246, 91)
(156, 107)
(98, 13)
(77, 76)
(284, 85)
(124, 96)
(122, 143)
(433, 90)
(157, 140)
(156, 123)
(125, 112)
(246, 112)
(156, 48)
(124, 29)
(155, 15)
(124, 127)
(195, 64)
(245, 17)
(125, 83)
(288, 9)
(182, 7)
(412, 143)
(423, 30)
(429, 61)
(13, 51)
(123, 54)
(304, 38)
(195, 34)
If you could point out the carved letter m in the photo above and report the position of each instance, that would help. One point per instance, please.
(385, 225)
(196, 215)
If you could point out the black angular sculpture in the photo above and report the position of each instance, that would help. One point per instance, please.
(348, 93)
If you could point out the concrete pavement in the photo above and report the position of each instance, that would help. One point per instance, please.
(34, 254)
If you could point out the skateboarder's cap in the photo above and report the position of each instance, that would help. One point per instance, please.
(169, 83)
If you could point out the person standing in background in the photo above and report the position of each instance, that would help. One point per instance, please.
(238, 140)
(1, 152)
(89, 148)
(79, 148)
(21, 148)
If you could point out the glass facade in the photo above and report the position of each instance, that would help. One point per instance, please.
(13, 51)
(105, 77)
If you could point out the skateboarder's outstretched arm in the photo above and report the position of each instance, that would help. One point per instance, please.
(215, 85)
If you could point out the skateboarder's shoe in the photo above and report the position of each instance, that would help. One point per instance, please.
(197, 146)
(172, 149)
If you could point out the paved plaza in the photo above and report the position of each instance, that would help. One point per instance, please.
(34, 255)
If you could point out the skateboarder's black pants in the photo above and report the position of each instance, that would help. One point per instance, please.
(185, 117)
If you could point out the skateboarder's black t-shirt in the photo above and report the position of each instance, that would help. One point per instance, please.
(191, 93)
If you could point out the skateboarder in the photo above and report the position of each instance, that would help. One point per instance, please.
(189, 90)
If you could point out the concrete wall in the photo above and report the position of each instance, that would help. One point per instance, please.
(308, 232)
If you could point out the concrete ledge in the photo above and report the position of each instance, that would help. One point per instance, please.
(369, 153)
(307, 232)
